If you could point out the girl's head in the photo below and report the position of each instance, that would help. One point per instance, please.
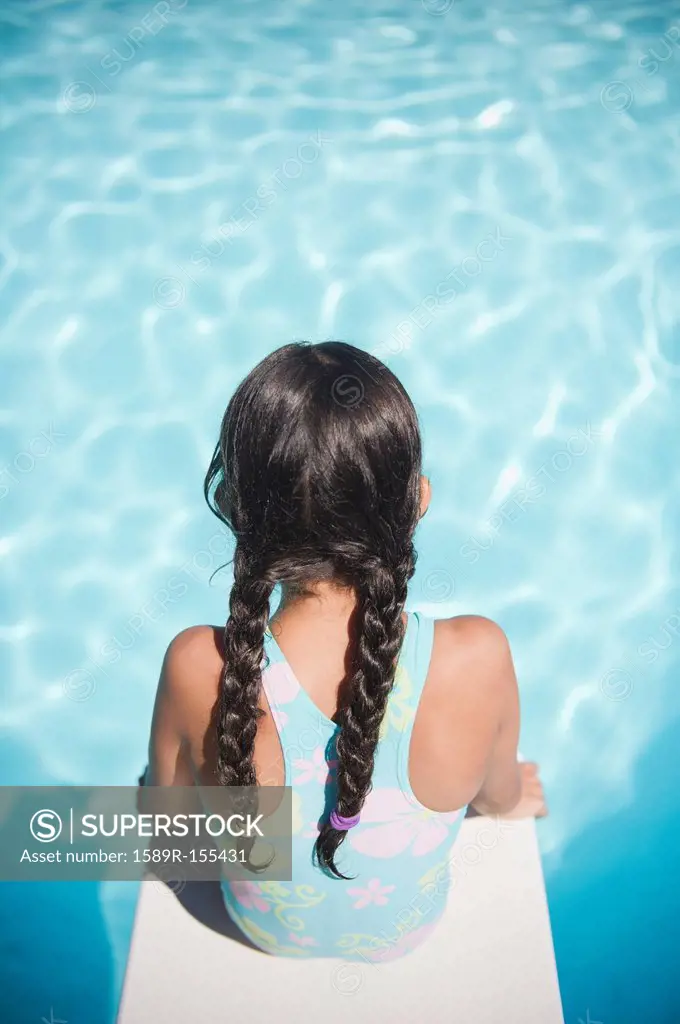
(318, 475)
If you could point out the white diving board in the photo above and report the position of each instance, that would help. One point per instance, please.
(490, 960)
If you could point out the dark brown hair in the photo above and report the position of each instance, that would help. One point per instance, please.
(317, 474)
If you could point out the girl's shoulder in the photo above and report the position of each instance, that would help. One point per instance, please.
(472, 634)
(471, 651)
(196, 643)
(193, 664)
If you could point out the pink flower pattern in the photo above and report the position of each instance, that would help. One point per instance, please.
(280, 719)
(280, 684)
(316, 769)
(395, 824)
(373, 893)
(280, 688)
(249, 895)
(302, 940)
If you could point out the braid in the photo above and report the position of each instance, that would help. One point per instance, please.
(318, 484)
(381, 595)
(239, 702)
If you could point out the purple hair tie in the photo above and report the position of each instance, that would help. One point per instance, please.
(343, 824)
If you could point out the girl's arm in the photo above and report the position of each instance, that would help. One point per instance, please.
(169, 764)
(510, 788)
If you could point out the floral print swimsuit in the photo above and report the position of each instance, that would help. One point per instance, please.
(397, 857)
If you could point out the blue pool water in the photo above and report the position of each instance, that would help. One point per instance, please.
(487, 194)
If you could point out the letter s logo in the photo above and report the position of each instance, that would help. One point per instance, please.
(45, 826)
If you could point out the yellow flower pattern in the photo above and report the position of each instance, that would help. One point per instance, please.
(437, 881)
(409, 933)
(286, 898)
(400, 711)
(265, 940)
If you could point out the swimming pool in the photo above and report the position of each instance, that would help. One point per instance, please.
(486, 195)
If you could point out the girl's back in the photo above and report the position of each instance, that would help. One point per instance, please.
(385, 725)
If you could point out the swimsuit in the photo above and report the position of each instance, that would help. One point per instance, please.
(397, 857)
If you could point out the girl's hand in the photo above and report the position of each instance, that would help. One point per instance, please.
(531, 803)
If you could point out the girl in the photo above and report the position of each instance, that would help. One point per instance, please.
(386, 725)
